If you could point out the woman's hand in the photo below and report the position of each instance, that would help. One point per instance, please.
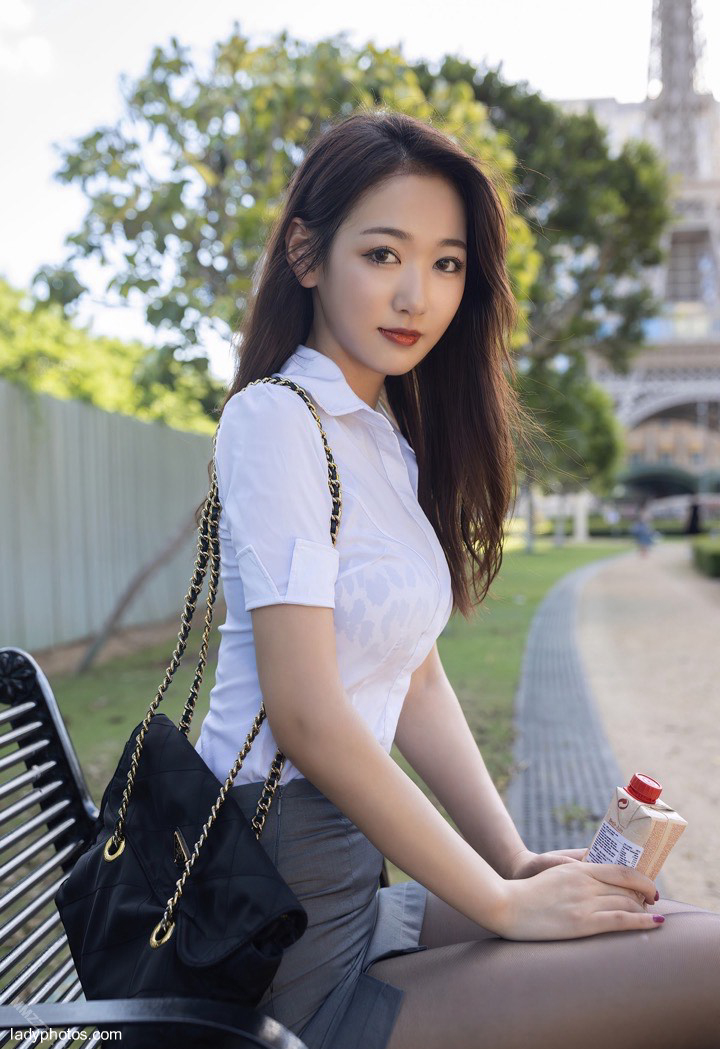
(525, 864)
(573, 899)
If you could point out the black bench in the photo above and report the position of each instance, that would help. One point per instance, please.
(46, 821)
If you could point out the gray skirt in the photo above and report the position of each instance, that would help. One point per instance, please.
(321, 991)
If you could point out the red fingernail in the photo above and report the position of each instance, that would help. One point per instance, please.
(658, 918)
(657, 896)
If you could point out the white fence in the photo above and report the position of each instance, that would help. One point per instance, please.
(87, 497)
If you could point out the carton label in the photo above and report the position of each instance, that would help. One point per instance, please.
(610, 846)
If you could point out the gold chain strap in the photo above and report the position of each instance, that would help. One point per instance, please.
(208, 548)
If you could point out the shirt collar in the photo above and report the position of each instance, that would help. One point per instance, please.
(325, 381)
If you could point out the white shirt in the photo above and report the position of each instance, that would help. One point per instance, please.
(387, 577)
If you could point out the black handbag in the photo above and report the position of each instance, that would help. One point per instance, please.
(177, 896)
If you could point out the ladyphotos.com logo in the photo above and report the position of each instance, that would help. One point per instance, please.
(40, 1033)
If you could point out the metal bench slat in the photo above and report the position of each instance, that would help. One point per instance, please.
(37, 846)
(34, 937)
(25, 884)
(60, 974)
(35, 797)
(73, 993)
(41, 962)
(19, 733)
(25, 777)
(21, 753)
(33, 907)
(42, 818)
(12, 713)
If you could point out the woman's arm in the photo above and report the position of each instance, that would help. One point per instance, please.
(435, 738)
(316, 726)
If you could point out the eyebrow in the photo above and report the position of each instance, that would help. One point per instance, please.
(402, 235)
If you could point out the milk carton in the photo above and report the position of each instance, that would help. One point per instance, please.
(638, 829)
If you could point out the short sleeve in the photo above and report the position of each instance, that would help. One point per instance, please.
(276, 504)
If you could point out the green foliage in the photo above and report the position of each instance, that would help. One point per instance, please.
(706, 556)
(42, 351)
(183, 191)
(598, 218)
(582, 442)
(599, 528)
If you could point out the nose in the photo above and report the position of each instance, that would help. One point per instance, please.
(411, 295)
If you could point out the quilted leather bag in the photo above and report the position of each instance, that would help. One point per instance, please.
(176, 896)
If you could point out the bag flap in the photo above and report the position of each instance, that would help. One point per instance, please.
(234, 894)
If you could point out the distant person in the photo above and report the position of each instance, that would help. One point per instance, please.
(643, 532)
(694, 524)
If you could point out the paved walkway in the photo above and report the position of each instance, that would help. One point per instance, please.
(621, 674)
(566, 769)
(648, 633)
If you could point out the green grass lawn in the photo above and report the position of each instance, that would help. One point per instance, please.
(482, 660)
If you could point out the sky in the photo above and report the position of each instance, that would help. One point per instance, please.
(60, 63)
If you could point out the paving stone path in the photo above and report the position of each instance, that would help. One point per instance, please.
(648, 634)
(566, 768)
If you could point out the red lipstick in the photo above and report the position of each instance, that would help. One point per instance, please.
(401, 336)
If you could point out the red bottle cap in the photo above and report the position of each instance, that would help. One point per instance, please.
(644, 788)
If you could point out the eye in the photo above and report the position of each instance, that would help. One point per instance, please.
(459, 265)
(378, 251)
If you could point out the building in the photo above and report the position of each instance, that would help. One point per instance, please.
(670, 401)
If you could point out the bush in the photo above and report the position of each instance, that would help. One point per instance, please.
(599, 528)
(706, 556)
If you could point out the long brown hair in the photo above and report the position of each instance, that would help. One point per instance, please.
(457, 408)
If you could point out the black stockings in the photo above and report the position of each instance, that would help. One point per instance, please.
(619, 990)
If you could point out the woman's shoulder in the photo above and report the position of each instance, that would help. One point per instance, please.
(267, 407)
(271, 429)
(262, 396)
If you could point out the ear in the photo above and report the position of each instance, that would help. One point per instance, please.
(296, 240)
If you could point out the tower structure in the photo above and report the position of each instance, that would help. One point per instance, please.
(681, 123)
(670, 400)
(674, 53)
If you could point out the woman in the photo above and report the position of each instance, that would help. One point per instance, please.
(642, 530)
(390, 227)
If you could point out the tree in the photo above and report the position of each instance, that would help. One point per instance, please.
(598, 219)
(43, 352)
(582, 443)
(183, 190)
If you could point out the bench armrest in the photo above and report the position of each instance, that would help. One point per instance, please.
(244, 1028)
